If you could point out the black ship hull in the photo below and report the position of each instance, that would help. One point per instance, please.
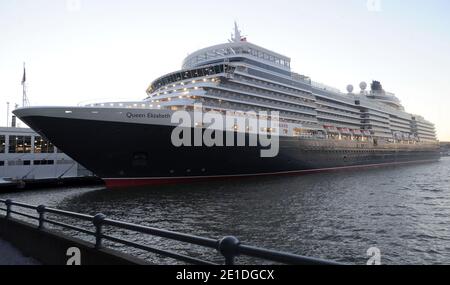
(125, 154)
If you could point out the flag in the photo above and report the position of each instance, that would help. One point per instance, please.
(24, 78)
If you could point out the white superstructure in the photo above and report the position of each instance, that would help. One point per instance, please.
(25, 155)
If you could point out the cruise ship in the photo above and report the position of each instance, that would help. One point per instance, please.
(318, 128)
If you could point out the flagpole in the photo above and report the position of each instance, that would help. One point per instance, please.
(24, 91)
(7, 114)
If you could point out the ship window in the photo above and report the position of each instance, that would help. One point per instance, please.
(42, 145)
(2, 144)
(27, 162)
(2, 163)
(19, 144)
(43, 162)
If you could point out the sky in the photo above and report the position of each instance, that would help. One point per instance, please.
(81, 51)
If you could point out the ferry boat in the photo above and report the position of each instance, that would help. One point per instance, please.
(28, 158)
(320, 127)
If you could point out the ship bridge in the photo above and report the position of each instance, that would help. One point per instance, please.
(237, 49)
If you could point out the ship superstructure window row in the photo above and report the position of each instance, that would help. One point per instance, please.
(189, 74)
(239, 105)
(335, 123)
(337, 119)
(256, 101)
(267, 95)
(346, 114)
(42, 145)
(376, 120)
(337, 106)
(19, 144)
(236, 50)
(289, 117)
(286, 91)
(44, 162)
(267, 77)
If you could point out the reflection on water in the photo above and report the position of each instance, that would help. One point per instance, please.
(401, 210)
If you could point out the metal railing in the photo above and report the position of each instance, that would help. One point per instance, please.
(229, 247)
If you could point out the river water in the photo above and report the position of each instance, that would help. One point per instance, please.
(402, 210)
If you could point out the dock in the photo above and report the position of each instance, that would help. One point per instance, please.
(31, 184)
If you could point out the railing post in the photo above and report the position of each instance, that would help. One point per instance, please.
(8, 204)
(41, 211)
(229, 248)
(98, 223)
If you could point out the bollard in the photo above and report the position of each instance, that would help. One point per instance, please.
(98, 223)
(8, 204)
(41, 211)
(229, 248)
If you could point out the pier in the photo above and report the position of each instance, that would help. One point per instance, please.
(50, 246)
(30, 184)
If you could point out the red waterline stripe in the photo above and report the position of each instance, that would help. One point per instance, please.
(136, 182)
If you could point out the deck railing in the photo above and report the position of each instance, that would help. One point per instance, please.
(229, 247)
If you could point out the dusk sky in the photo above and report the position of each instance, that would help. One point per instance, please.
(82, 51)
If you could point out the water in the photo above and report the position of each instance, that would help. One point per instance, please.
(404, 211)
